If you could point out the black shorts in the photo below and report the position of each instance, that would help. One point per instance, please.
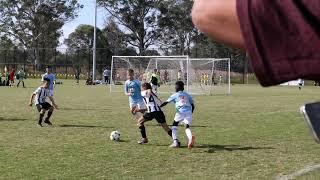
(45, 106)
(158, 115)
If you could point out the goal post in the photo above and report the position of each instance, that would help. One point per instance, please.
(201, 76)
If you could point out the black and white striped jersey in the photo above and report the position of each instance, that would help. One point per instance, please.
(41, 95)
(151, 101)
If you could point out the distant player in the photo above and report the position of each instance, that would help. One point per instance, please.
(20, 76)
(155, 81)
(300, 83)
(153, 111)
(132, 88)
(184, 109)
(49, 75)
(39, 98)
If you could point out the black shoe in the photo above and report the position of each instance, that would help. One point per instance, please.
(48, 122)
(39, 125)
(311, 114)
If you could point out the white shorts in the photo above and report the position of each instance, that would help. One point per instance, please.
(185, 118)
(139, 104)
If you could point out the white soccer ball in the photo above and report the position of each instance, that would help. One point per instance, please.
(115, 136)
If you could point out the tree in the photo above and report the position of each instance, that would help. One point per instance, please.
(138, 17)
(36, 23)
(82, 38)
(115, 37)
(176, 27)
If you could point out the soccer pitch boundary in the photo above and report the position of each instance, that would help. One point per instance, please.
(301, 172)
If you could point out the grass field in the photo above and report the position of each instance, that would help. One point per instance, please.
(255, 133)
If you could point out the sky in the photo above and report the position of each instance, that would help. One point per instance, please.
(86, 16)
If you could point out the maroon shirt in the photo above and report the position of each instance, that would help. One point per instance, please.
(282, 38)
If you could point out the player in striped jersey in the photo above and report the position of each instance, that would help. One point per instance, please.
(39, 98)
(153, 111)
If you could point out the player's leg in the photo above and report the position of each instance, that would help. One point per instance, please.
(50, 111)
(219, 20)
(142, 128)
(161, 119)
(134, 106)
(177, 119)
(187, 121)
(18, 83)
(41, 114)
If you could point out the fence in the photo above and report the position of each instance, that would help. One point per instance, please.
(65, 62)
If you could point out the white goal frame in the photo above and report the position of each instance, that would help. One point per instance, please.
(182, 57)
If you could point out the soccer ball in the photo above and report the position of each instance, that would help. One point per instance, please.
(115, 136)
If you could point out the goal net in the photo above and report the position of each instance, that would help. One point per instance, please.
(201, 76)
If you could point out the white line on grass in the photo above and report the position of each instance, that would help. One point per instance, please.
(301, 172)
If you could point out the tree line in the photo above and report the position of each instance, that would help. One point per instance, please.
(133, 27)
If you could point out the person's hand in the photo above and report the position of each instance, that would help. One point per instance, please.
(30, 104)
(55, 106)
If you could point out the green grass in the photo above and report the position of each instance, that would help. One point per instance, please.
(255, 133)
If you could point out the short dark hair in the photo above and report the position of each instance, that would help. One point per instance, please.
(130, 70)
(46, 79)
(49, 67)
(146, 86)
(179, 86)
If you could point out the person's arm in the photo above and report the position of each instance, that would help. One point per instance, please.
(126, 89)
(193, 107)
(31, 99)
(164, 104)
(209, 14)
(53, 102)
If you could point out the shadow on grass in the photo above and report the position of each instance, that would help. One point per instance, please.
(12, 119)
(82, 126)
(84, 109)
(214, 148)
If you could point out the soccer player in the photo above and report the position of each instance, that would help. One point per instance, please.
(39, 97)
(300, 83)
(49, 75)
(132, 88)
(154, 81)
(184, 109)
(153, 111)
(21, 75)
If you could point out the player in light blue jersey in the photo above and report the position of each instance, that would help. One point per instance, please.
(49, 75)
(184, 108)
(132, 88)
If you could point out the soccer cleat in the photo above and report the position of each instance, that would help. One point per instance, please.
(191, 143)
(143, 141)
(175, 144)
(39, 125)
(48, 122)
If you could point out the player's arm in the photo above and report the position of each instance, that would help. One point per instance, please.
(193, 107)
(53, 102)
(31, 99)
(171, 99)
(126, 90)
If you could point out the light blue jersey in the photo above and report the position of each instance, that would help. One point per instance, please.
(133, 87)
(182, 101)
(52, 78)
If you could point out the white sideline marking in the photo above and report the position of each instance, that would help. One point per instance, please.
(301, 172)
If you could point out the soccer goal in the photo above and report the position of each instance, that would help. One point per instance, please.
(201, 76)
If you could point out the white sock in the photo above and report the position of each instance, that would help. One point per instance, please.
(174, 132)
(189, 134)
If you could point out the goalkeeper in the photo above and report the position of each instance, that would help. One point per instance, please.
(155, 81)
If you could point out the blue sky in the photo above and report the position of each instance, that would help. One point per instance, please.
(86, 16)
